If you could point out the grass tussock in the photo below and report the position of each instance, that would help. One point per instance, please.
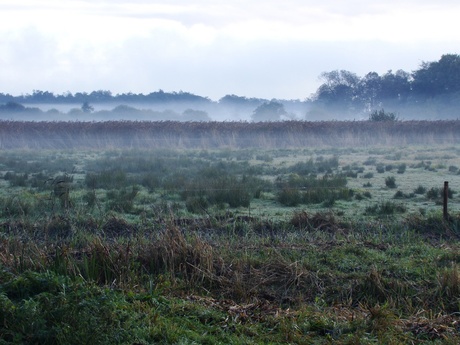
(200, 247)
(292, 287)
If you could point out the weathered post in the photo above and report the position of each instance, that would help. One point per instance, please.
(446, 196)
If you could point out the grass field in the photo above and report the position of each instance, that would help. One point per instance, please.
(321, 245)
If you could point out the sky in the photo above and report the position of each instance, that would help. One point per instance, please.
(212, 48)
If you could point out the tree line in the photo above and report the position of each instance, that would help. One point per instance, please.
(431, 90)
(103, 96)
(434, 84)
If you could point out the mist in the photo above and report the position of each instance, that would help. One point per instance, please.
(431, 92)
(229, 108)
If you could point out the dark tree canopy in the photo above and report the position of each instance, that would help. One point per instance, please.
(101, 96)
(269, 111)
(338, 86)
(439, 77)
(87, 108)
(437, 82)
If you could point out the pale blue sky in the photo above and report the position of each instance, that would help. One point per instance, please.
(253, 48)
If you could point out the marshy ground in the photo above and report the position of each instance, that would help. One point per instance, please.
(311, 245)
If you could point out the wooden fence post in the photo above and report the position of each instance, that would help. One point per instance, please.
(446, 197)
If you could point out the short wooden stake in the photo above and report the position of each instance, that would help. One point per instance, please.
(446, 197)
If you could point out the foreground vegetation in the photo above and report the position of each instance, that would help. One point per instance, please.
(301, 246)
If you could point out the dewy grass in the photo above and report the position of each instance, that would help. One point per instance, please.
(168, 270)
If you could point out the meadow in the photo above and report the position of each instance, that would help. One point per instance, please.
(107, 237)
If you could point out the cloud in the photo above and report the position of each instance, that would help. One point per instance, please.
(215, 47)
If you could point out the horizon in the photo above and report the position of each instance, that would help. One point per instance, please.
(267, 50)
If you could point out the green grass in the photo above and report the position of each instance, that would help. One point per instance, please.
(183, 247)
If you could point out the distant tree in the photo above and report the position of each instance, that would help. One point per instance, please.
(6, 97)
(370, 88)
(162, 97)
(381, 115)
(439, 77)
(75, 111)
(42, 96)
(100, 96)
(269, 111)
(87, 108)
(122, 108)
(238, 101)
(12, 107)
(195, 115)
(376, 91)
(395, 86)
(80, 97)
(339, 89)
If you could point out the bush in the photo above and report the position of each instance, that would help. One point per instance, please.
(122, 200)
(381, 116)
(434, 193)
(438, 193)
(401, 168)
(108, 179)
(196, 204)
(14, 207)
(289, 197)
(16, 180)
(321, 195)
(359, 196)
(399, 195)
(420, 189)
(90, 198)
(385, 208)
(453, 169)
(370, 161)
(390, 182)
(312, 167)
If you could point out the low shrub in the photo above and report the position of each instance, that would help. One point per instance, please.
(370, 161)
(420, 189)
(321, 195)
(382, 116)
(390, 182)
(289, 197)
(401, 168)
(196, 204)
(122, 200)
(385, 208)
(399, 195)
(13, 206)
(453, 169)
(438, 193)
(16, 180)
(108, 179)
